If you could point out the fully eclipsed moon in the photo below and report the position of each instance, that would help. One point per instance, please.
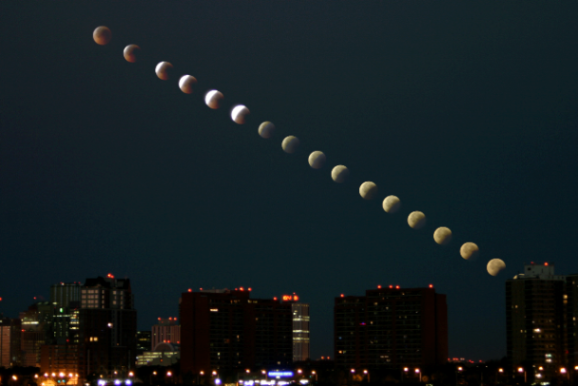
(495, 266)
(131, 53)
(213, 99)
(186, 83)
(266, 129)
(340, 173)
(391, 204)
(317, 159)
(442, 235)
(239, 114)
(290, 144)
(368, 190)
(416, 219)
(102, 35)
(163, 70)
(469, 251)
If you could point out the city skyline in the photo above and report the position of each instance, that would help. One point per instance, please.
(467, 112)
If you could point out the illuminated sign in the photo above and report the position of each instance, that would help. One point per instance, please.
(288, 298)
(281, 374)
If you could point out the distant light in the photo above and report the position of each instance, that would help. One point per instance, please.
(249, 289)
(520, 369)
(352, 370)
(416, 371)
(281, 374)
(295, 297)
(242, 289)
(201, 289)
(431, 286)
(364, 371)
(396, 287)
(128, 382)
(342, 295)
(202, 372)
(247, 371)
(390, 286)
(501, 370)
(169, 374)
(545, 264)
(217, 381)
(190, 290)
(102, 382)
(379, 286)
(214, 372)
(299, 371)
(61, 375)
(563, 370)
(275, 298)
(117, 382)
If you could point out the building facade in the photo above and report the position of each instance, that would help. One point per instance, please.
(391, 328)
(10, 342)
(226, 330)
(167, 330)
(107, 327)
(301, 321)
(541, 319)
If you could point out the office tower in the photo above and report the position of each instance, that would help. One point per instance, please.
(9, 342)
(65, 298)
(167, 330)
(392, 328)
(32, 336)
(143, 341)
(107, 327)
(541, 314)
(164, 354)
(300, 312)
(534, 317)
(226, 330)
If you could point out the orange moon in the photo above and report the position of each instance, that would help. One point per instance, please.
(186, 83)
(131, 53)
(102, 35)
(163, 70)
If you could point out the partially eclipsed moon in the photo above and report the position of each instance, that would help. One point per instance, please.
(102, 35)
(416, 219)
(290, 144)
(442, 235)
(163, 70)
(266, 129)
(186, 83)
(339, 174)
(469, 251)
(495, 266)
(391, 204)
(239, 114)
(213, 99)
(368, 190)
(131, 52)
(317, 159)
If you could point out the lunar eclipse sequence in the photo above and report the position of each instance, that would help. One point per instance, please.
(290, 144)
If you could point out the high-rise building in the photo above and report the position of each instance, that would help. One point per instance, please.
(9, 342)
(143, 341)
(107, 327)
(391, 327)
(226, 330)
(167, 330)
(300, 312)
(541, 313)
(32, 336)
(65, 298)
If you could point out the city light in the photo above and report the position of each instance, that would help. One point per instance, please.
(562, 370)
(202, 372)
(131, 374)
(169, 374)
(520, 369)
(217, 381)
(405, 369)
(501, 370)
(214, 372)
(364, 371)
(247, 371)
(416, 371)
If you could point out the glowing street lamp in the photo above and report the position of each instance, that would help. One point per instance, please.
(522, 370)
(417, 371)
(247, 371)
(131, 374)
(214, 372)
(562, 370)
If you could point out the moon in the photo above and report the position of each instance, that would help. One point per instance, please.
(317, 159)
(266, 129)
(163, 70)
(470, 251)
(416, 219)
(495, 266)
(368, 190)
(239, 114)
(186, 83)
(131, 52)
(290, 144)
(213, 99)
(339, 174)
(102, 35)
(391, 204)
(442, 235)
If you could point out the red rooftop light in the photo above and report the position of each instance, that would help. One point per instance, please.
(379, 286)
(342, 295)
(249, 289)
(190, 290)
(396, 287)
(545, 264)
(390, 286)
(431, 286)
(275, 298)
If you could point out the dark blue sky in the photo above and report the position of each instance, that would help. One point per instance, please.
(465, 110)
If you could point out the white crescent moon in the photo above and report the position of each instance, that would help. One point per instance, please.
(239, 113)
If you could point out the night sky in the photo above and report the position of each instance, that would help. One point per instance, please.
(468, 111)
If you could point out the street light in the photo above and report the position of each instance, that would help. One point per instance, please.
(417, 371)
(522, 370)
(368, 376)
